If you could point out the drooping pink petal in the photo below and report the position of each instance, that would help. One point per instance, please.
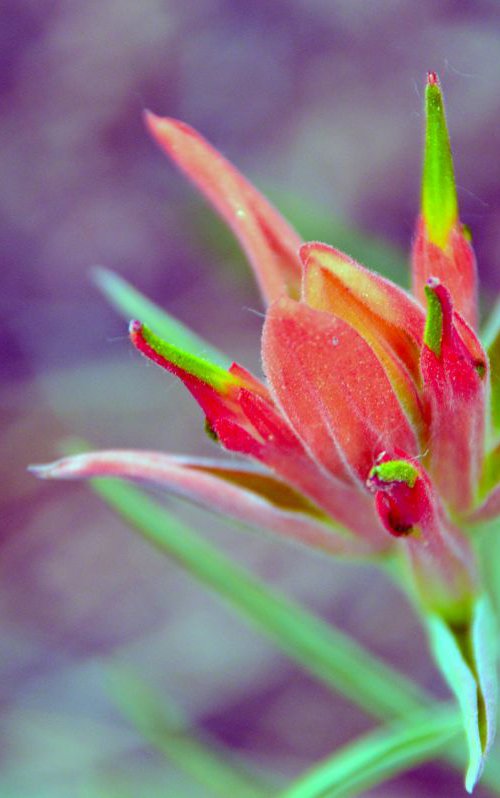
(269, 242)
(389, 320)
(454, 371)
(441, 559)
(253, 497)
(332, 389)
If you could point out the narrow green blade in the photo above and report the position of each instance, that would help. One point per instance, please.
(133, 305)
(377, 756)
(467, 657)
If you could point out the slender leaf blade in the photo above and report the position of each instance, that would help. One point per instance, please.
(467, 658)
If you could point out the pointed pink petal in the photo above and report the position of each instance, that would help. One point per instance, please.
(454, 266)
(332, 389)
(389, 320)
(270, 243)
(454, 370)
(252, 497)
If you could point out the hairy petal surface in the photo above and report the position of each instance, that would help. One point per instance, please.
(269, 242)
(333, 389)
(389, 320)
(455, 380)
(247, 495)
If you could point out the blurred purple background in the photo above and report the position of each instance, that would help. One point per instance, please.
(318, 102)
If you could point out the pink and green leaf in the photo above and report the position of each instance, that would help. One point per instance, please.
(269, 242)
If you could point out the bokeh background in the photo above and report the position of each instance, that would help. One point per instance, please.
(319, 102)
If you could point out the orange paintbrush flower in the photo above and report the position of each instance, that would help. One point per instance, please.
(369, 433)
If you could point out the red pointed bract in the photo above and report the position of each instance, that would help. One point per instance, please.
(455, 381)
(270, 243)
(332, 389)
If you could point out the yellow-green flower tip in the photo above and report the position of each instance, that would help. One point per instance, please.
(395, 471)
(179, 360)
(433, 332)
(439, 195)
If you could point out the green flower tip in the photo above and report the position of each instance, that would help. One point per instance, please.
(172, 357)
(433, 332)
(395, 471)
(439, 196)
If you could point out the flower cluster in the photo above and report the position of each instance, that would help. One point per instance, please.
(372, 432)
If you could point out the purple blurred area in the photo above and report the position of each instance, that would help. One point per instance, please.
(312, 99)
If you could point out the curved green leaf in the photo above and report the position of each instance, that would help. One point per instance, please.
(467, 658)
